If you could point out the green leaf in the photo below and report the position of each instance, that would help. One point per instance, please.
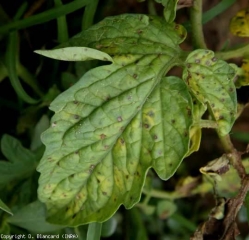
(115, 123)
(243, 75)
(33, 218)
(195, 131)
(170, 7)
(22, 162)
(211, 81)
(75, 54)
(239, 25)
(4, 207)
(131, 34)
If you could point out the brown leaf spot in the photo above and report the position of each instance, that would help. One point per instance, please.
(102, 136)
(119, 118)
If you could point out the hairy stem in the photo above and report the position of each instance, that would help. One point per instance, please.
(196, 23)
(235, 53)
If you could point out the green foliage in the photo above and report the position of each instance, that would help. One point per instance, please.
(124, 118)
(33, 218)
(211, 81)
(22, 162)
(128, 123)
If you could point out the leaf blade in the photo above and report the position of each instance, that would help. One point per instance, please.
(108, 128)
(75, 54)
(211, 81)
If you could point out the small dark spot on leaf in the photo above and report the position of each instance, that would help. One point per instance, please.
(221, 117)
(91, 168)
(102, 136)
(54, 124)
(98, 180)
(212, 105)
(146, 125)
(185, 133)
(173, 121)
(207, 63)
(197, 60)
(107, 98)
(115, 199)
(127, 176)
(76, 152)
(76, 116)
(222, 100)
(138, 174)
(150, 113)
(75, 102)
(176, 26)
(85, 49)
(134, 75)
(122, 141)
(230, 89)
(119, 119)
(189, 111)
(155, 137)
(223, 170)
(214, 59)
(104, 193)
(106, 147)
(74, 216)
(139, 31)
(105, 59)
(170, 164)
(131, 198)
(188, 65)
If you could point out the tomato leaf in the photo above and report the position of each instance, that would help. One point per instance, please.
(5, 208)
(116, 122)
(75, 54)
(243, 75)
(211, 81)
(22, 162)
(239, 24)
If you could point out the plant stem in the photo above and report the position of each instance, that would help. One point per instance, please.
(151, 8)
(89, 13)
(94, 231)
(162, 194)
(233, 155)
(235, 53)
(28, 78)
(61, 25)
(196, 23)
(44, 16)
